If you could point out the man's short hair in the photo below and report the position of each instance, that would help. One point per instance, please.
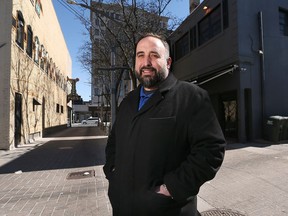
(161, 38)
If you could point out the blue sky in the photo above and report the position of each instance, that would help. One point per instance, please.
(74, 34)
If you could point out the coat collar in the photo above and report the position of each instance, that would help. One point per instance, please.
(159, 95)
(168, 83)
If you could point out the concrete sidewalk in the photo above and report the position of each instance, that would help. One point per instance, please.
(252, 181)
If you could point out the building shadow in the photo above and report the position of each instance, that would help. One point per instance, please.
(60, 154)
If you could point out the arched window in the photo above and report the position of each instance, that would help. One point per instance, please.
(46, 62)
(42, 56)
(20, 29)
(29, 47)
(36, 50)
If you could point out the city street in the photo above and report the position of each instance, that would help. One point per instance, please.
(62, 175)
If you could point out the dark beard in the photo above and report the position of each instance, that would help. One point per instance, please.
(150, 81)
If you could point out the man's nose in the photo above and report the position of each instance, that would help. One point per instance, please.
(147, 61)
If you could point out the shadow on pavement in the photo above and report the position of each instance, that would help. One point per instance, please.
(78, 131)
(61, 154)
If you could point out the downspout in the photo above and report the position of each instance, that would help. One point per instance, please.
(262, 67)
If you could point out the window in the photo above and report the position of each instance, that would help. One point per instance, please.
(36, 51)
(97, 21)
(193, 38)
(42, 57)
(96, 91)
(210, 26)
(29, 47)
(283, 22)
(225, 14)
(182, 47)
(57, 108)
(20, 30)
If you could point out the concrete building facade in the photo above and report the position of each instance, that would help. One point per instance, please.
(35, 64)
(237, 51)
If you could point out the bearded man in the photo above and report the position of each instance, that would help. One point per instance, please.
(165, 143)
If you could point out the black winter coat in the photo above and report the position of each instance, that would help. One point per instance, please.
(174, 139)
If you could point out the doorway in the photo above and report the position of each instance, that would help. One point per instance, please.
(229, 106)
(18, 119)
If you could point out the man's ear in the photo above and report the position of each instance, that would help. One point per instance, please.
(169, 62)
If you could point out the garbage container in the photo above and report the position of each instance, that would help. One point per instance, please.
(273, 128)
(285, 128)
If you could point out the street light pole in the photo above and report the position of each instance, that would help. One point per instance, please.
(113, 87)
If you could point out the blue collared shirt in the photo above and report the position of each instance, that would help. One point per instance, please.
(144, 96)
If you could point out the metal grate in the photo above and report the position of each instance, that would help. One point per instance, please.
(81, 174)
(221, 212)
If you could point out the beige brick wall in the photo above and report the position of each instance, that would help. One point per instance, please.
(27, 78)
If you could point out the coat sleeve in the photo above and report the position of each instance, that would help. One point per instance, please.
(207, 146)
(110, 154)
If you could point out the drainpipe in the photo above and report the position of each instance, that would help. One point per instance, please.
(262, 66)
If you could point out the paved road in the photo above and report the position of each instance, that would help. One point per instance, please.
(48, 178)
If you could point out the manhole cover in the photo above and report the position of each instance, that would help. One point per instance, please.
(81, 174)
(221, 212)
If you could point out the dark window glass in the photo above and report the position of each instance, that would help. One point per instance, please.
(283, 22)
(225, 14)
(182, 47)
(20, 30)
(210, 26)
(57, 108)
(193, 38)
(29, 47)
(36, 50)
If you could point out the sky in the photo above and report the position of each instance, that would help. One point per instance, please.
(75, 36)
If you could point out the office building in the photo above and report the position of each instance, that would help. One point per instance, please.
(237, 51)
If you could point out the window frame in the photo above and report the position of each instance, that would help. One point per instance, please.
(20, 30)
(208, 28)
(29, 44)
(283, 23)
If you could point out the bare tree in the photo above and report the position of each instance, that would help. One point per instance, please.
(121, 23)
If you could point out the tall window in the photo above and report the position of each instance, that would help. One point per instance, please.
(182, 47)
(193, 38)
(20, 30)
(210, 26)
(57, 108)
(283, 21)
(42, 57)
(225, 14)
(29, 47)
(36, 50)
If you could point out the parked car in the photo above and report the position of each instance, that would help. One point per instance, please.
(92, 120)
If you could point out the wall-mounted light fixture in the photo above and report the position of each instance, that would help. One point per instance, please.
(207, 9)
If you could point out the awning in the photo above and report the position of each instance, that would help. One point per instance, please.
(35, 102)
(213, 75)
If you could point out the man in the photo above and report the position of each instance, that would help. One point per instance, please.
(165, 143)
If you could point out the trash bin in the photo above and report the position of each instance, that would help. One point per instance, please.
(285, 128)
(273, 128)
